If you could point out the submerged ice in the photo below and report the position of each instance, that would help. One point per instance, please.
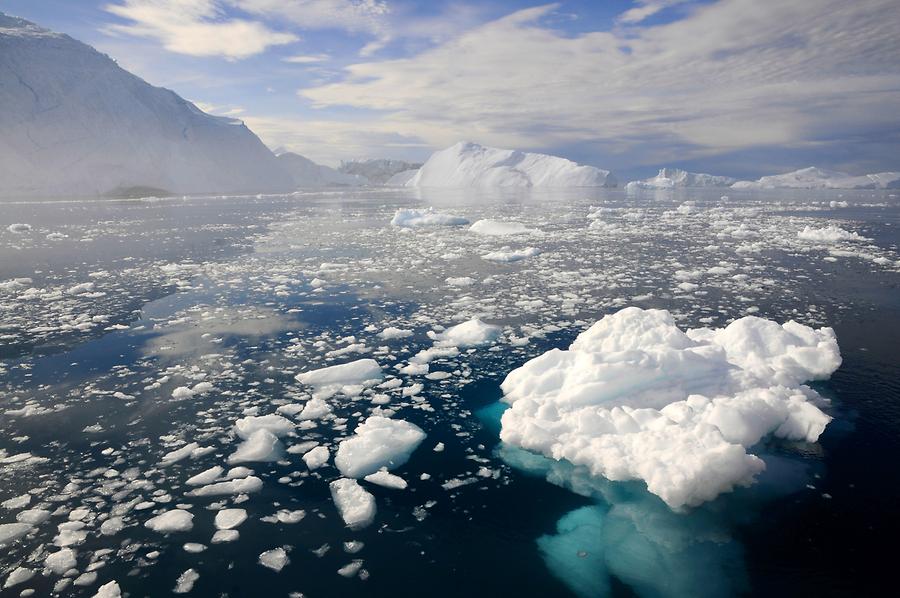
(636, 398)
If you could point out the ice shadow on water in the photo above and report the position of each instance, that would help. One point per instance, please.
(630, 541)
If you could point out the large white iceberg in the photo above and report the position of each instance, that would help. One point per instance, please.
(472, 165)
(819, 178)
(671, 178)
(635, 398)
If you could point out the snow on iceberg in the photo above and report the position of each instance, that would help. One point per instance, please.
(413, 218)
(820, 178)
(377, 443)
(472, 165)
(635, 398)
(671, 178)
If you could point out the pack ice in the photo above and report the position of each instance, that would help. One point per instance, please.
(636, 398)
(469, 164)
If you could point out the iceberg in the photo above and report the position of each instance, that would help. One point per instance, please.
(820, 178)
(671, 178)
(636, 398)
(472, 165)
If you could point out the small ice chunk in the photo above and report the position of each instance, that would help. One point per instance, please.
(274, 559)
(317, 457)
(186, 581)
(378, 442)
(230, 518)
(388, 480)
(354, 503)
(176, 520)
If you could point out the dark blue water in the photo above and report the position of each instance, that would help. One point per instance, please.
(224, 288)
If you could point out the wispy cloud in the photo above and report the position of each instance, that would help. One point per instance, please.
(727, 76)
(195, 28)
(646, 9)
(307, 58)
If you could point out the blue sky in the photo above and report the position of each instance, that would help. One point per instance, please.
(739, 87)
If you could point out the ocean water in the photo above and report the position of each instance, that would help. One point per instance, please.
(107, 306)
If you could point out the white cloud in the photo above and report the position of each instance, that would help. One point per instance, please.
(195, 28)
(307, 58)
(348, 15)
(731, 75)
(646, 9)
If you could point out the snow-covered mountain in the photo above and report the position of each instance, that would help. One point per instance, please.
(73, 122)
(377, 171)
(472, 165)
(306, 173)
(819, 178)
(670, 178)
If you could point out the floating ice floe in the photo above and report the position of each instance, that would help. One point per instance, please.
(230, 518)
(274, 559)
(414, 218)
(635, 398)
(316, 457)
(500, 228)
(354, 503)
(109, 590)
(176, 520)
(378, 442)
(388, 480)
(331, 380)
(829, 234)
(510, 255)
(472, 333)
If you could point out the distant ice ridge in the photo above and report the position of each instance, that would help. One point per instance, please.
(671, 178)
(306, 173)
(819, 178)
(379, 171)
(635, 398)
(75, 123)
(472, 165)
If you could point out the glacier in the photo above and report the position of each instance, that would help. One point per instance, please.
(467, 164)
(306, 173)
